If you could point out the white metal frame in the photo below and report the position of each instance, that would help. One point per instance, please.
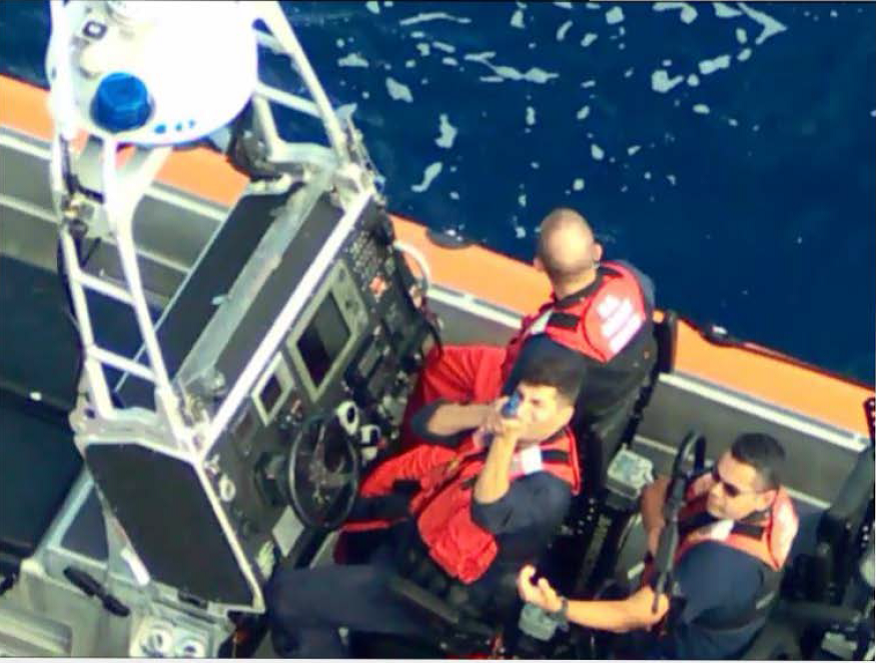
(169, 427)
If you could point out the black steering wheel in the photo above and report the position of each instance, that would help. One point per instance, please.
(323, 473)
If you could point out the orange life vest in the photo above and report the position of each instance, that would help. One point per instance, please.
(776, 531)
(442, 507)
(768, 540)
(598, 325)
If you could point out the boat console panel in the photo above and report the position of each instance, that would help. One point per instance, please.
(304, 338)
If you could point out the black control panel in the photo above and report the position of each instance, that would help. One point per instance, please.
(327, 343)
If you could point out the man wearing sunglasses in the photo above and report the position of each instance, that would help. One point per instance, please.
(735, 533)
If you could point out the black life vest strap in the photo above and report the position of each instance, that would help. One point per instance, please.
(563, 320)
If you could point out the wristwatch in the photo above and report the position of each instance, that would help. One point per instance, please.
(560, 617)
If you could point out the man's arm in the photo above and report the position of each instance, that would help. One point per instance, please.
(651, 506)
(494, 479)
(452, 418)
(629, 614)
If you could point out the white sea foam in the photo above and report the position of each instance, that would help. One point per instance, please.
(517, 20)
(688, 12)
(346, 111)
(521, 200)
(744, 54)
(410, 64)
(671, 178)
(424, 49)
(632, 149)
(532, 75)
(589, 38)
(353, 60)
(596, 152)
(707, 67)
(432, 171)
(433, 16)
(448, 132)
(449, 61)
(454, 195)
(441, 46)
(693, 80)
(661, 82)
(741, 35)
(629, 72)
(398, 91)
(701, 109)
(373, 7)
(563, 5)
(769, 25)
(614, 15)
(723, 10)
(582, 113)
(578, 184)
(588, 84)
(562, 30)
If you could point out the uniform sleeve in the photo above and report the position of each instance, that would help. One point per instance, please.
(420, 428)
(531, 501)
(712, 575)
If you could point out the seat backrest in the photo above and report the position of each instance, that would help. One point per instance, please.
(39, 465)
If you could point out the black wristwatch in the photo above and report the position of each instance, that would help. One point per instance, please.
(561, 617)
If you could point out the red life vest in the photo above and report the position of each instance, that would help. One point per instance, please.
(598, 325)
(442, 507)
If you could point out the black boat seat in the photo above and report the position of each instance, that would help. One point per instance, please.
(40, 464)
(453, 631)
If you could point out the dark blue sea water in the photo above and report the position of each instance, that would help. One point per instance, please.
(728, 149)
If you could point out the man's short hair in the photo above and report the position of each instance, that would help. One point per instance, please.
(544, 363)
(764, 454)
(560, 268)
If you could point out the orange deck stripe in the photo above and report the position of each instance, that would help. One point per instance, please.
(503, 281)
(795, 387)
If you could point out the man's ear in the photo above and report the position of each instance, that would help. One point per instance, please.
(596, 252)
(765, 499)
(537, 263)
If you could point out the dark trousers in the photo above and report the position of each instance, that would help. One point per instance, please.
(307, 606)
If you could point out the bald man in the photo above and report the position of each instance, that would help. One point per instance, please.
(598, 318)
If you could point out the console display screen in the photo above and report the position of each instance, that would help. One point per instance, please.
(323, 340)
(271, 393)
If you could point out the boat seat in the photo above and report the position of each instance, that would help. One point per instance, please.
(40, 464)
(456, 632)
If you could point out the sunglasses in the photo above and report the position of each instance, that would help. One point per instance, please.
(731, 490)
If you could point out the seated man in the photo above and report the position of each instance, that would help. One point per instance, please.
(485, 503)
(735, 531)
(599, 316)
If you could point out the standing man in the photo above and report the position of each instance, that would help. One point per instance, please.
(735, 532)
(461, 518)
(599, 318)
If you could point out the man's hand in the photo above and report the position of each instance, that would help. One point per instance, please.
(540, 594)
(504, 430)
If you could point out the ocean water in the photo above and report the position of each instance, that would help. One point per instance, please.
(727, 149)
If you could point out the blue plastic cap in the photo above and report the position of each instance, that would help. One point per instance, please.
(121, 103)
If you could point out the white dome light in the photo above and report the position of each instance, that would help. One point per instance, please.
(154, 73)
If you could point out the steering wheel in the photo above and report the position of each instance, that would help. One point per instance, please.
(323, 473)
